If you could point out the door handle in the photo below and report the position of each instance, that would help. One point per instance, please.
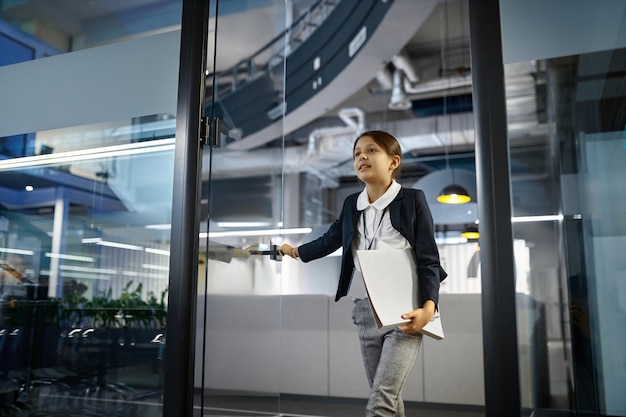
(273, 253)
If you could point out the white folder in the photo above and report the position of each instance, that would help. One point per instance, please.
(391, 282)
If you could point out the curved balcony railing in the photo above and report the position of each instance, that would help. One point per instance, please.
(251, 95)
(271, 54)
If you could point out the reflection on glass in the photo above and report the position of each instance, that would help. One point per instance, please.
(83, 279)
(569, 209)
(238, 312)
(269, 330)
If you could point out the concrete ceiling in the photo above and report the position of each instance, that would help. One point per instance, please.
(428, 40)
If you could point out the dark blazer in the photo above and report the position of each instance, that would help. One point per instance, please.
(409, 215)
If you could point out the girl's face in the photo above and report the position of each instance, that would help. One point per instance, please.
(372, 164)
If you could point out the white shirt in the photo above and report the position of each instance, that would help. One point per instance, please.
(374, 225)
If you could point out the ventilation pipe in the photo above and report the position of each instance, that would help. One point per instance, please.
(440, 84)
(412, 84)
(384, 79)
(398, 100)
(402, 62)
(404, 74)
(354, 118)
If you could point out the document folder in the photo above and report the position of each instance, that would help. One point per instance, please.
(391, 282)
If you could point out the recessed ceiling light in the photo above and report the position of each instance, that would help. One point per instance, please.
(29, 188)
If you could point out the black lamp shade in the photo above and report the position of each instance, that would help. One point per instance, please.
(454, 194)
(471, 233)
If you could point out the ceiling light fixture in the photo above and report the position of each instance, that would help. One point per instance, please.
(151, 146)
(156, 267)
(81, 275)
(88, 269)
(267, 232)
(471, 233)
(70, 257)
(99, 241)
(158, 251)
(163, 226)
(454, 194)
(545, 218)
(17, 251)
(243, 224)
(144, 275)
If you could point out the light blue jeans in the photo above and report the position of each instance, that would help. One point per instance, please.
(388, 356)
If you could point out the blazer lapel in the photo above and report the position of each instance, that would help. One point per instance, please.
(398, 221)
(394, 210)
(352, 224)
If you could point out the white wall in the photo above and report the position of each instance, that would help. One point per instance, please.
(308, 345)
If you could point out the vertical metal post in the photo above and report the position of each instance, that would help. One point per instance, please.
(179, 348)
(502, 387)
(59, 227)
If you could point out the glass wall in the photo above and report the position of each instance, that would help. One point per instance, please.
(86, 174)
(271, 338)
(85, 209)
(567, 75)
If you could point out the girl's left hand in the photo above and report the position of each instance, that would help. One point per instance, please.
(419, 318)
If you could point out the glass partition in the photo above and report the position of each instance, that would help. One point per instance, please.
(86, 174)
(565, 100)
(32, 29)
(84, 275)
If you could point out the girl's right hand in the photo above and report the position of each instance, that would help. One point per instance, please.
(286, 249)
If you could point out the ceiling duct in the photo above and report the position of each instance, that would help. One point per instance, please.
(440, 84)
(413, 83)
(402, 62)
(384, 78)
(398, 100)
(329, 150)
(354, 119)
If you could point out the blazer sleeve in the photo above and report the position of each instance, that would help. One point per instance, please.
(429, 268)
(325, 244)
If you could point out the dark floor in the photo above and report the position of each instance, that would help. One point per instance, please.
(223, 404)
(299, 405)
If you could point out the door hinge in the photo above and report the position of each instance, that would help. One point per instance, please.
(212, 131)
(205, 124)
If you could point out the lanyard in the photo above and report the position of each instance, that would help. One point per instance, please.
(371, 242)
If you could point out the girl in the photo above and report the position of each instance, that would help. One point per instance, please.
(383, 212)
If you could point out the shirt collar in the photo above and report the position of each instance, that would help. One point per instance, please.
(383, 201)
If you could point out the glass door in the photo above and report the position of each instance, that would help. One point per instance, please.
(284, 102)
(237, 361)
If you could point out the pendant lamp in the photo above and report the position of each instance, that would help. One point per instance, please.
(471, 233)
(452, 193)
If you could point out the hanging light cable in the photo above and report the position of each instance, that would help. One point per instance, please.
(452, 193)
